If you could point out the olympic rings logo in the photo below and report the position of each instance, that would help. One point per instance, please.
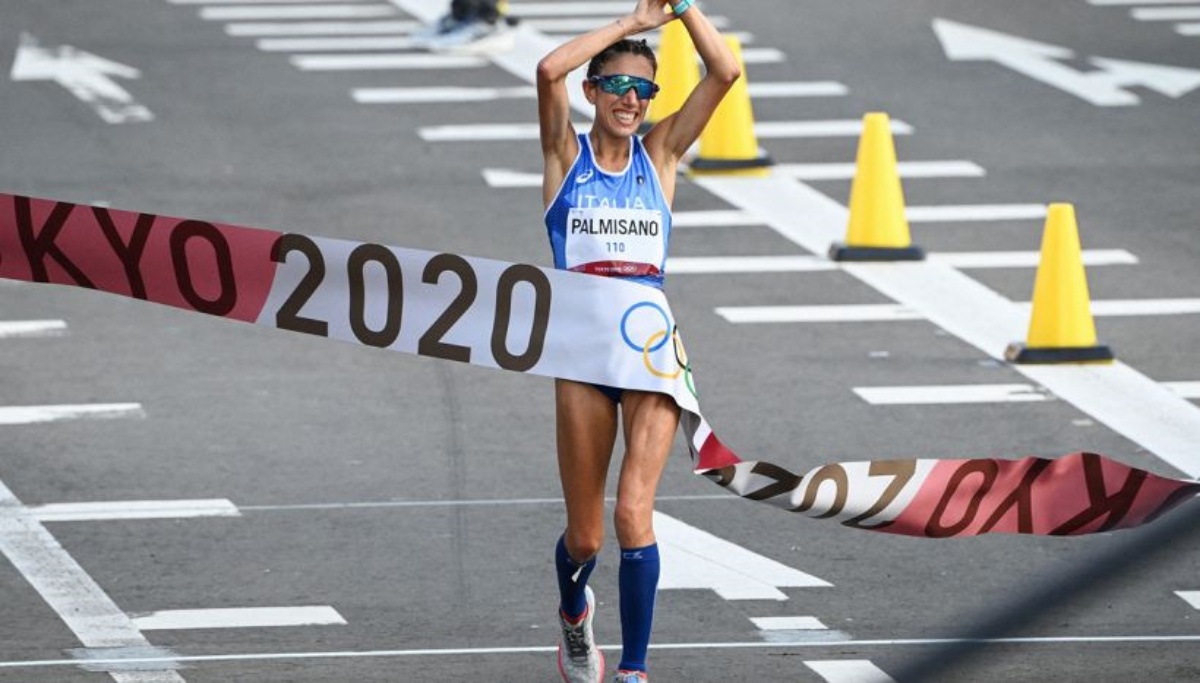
(656, 341)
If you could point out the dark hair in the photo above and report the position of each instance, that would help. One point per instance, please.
(621, 47)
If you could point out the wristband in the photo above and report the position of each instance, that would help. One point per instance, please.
(682, 7)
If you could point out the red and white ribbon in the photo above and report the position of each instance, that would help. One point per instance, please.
(553, 323)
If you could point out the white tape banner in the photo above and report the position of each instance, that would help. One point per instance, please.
(553, 323)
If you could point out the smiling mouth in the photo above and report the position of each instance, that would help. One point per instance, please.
(626, 117)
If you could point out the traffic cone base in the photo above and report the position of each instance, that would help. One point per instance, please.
(727, 166)
(843, 252)
(1023, 354)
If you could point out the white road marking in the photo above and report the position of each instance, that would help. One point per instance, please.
(133, 509)
(763, 55)
(582, 25)
(89, 78)
(1115, 395)
(1139, 307)
(20, 415)
(976, 212)
(268, 12)
(695, 559)
(324, 44)
(542, 649)
(741, 315)
(449, 503)
(237, 617)
(849, 671)
(481, 132)
(319, 28)
(1166, 13)
(952, 394)
(788, 624)
(256, 2)
(70, 592)
(906, 169)
(441, 95)
(467, 94)
(797, 89)
(1191, 597)
(1188, 29)
(1115, 3)
(806, 263)
(715, 218)
(32, 328)
(386, 61)
(567, 9)
(1184, 389)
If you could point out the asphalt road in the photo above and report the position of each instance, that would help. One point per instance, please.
(418, 499)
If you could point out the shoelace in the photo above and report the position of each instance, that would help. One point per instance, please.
(576, 636)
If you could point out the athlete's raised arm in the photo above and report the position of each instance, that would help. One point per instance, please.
(559, 144)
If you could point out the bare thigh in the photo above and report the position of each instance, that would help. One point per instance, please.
(586, 425)
(650, 422)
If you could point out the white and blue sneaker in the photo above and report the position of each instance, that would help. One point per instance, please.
(579, 660)
(631, 677)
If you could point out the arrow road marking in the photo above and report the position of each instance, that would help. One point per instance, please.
(1105, 87)
(85, 75)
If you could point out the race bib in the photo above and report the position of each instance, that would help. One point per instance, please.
(611, 241)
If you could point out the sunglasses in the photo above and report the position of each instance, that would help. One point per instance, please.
(619, 84)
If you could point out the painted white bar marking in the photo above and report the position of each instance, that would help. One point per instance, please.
(710, 265)
(710, 219)
(385, 61)
(353, 43)
(254, 12)
(849, 671)
(1137, 307)
(566, 9)
(805, 263)
(763, 55)
(529, 131)
(68, 590)
(977, 212)
(906, 169)
(577, 26)
(951, 394)
(798, 89)
(696, 559)
(1191, 597)
(1115, 395)
(1188, 29)
(32, 328)
(1126, 3)
(238, 617)
(788, 624)
(1166, 13)
(19, 415)
(817, 314)
(319, 28)
(257, 2)
(1184, 389)
(133, 509)
(441, 95)
(1027, 259)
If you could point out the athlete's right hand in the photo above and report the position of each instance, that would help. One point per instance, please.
(650, 14)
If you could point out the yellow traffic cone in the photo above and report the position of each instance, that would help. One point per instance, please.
(729, 144)
(678, 72)
(878, 229)
(1061, 329)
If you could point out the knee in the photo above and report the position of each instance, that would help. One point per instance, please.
(634, 522)
(582, 546)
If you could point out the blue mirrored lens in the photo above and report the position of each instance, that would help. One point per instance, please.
(619, 84)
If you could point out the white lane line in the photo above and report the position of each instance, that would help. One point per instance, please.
(444, 95)
(1184, 389)
(906, 169)
(696, 559)
(543, 649)
(1126, 3)
(1166, 13)
(254, 12)
(806, 263)
(238, 617)
(741, 315)
(1188, 29)
(451, 503)
(763, 55)
(788, 624)
(386, 61)
(133, 509)
(1116, 308)
(849, 671)
(711, 219)
(951, 394)
(326, 44)
(1116, 395)
(319, 28)
(561, 30)
(976, 212)
(70, 592)
(1191, 597)
(32, 328)
(566, 9)
(441, 95)
(257, 2)
(481, 132)
(20, 415)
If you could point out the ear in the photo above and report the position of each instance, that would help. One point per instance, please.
(589, 91)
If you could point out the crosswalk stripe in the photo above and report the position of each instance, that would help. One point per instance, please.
(238, 617)
(849, 671)
(951, 394)
(906, 169)
(1189, 390)
(258, 2)
(803, 263)
(1191, 597)
(32, 328)
(385, 62)
(975, 212)
(1166, 13)
(1188, 29)
(133, 509)
(885, 312)
(241, 13)
(771, 129)
(573, 26)
(441, 95)
(1112, 3)
(788, 624)
(468, 94)
(20, 415)
(319, 28)
(335, 44)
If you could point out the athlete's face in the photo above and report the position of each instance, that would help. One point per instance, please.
(621, 114)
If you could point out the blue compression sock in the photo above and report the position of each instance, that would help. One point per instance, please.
(572, 578)
(638, 579)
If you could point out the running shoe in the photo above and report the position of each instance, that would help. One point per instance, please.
(631, 677)
(579, 660)
(466, 36)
